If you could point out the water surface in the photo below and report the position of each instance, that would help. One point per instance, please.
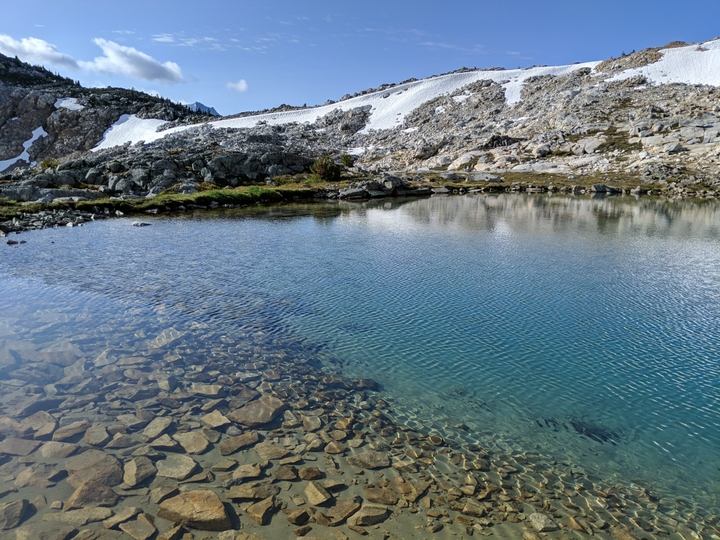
(582, 330)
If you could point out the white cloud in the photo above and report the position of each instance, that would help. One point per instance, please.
(35, 51)
(163, 38)
(130, 62)
(240, 86)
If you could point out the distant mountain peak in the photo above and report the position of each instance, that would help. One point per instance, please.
(199, 107)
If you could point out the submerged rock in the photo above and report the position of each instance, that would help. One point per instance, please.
(196, 509)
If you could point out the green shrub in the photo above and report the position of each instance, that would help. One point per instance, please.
(347, 160)
(326, 169)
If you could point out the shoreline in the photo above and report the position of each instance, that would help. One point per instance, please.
(19, 217)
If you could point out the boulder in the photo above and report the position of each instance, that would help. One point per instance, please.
(260, 511)
(369, 515)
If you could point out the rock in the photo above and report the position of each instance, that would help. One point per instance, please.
(13, 513)
(122, 516)
(310, 473)
(300, 516)
(96, 435)
(249, 470)
(71, 430)
(165, 442)
(254, 491)
(18, 447)
(193, 442)
(369, 459)
(177, 467)
(260, 511)
(472, 508)
(140, 529)
(542, 523)
(79, 518)
(483, 177)
(208, 390)
(140, 224)
(91, 493)
(35, 532)
(138, 470)
(286, 473)
(56, 450)
(257, 413)
(233, 444)
(335, 447)
(381, 496)
(602, 188)
(121, 440)
(316, 494)
(160, 493)
(93, 465)
(176, 533)
(215, 420)
(201, 510)
(42, 475)
(673, 148)
(156, 428)
(338, 513)
(42, 423)
(100, 534)
(269, 450)
(369, 515)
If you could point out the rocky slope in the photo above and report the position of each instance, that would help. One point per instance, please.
(652, 117)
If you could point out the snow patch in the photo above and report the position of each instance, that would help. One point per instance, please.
(690, 65)
(36, 134)
(69, 103)
(130, 128)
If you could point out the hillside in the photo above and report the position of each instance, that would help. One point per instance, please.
(651, 117)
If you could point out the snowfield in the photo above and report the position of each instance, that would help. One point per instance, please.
(693, 64)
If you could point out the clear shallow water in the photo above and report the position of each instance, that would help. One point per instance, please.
(581, 330)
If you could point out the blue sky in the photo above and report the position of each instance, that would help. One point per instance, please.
(249, 55)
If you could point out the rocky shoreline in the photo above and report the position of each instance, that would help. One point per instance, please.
(195, 434)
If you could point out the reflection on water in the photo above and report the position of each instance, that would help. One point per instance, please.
(582, 330)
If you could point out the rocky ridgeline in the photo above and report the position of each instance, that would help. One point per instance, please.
(580, 125)
(198, 435)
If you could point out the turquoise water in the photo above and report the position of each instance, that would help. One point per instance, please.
(585, 331)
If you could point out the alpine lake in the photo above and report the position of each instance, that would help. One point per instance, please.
(504, 366)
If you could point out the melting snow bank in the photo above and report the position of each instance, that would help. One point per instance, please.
(694, 64)
(39, 132)
(130, 128)
(68, 103)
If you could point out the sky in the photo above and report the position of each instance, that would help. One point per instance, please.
(246, 55)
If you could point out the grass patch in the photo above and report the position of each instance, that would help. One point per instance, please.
(618, 140)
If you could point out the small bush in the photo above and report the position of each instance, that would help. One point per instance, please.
(347, 160)
(326, 169)
(48, 164)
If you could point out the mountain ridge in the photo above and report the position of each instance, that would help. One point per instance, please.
(653, 115)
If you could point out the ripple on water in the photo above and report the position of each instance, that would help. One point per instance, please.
(576, 328)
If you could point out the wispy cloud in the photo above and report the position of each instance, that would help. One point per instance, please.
(513, 53)
(123, 32)
(476, 49)
(130, 62)
(164, 38)
(240, 86)
(35, 51)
